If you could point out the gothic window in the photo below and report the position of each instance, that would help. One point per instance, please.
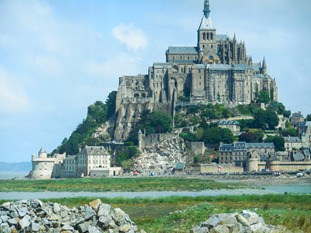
(207, 36)
(136, 95)
(204, 37)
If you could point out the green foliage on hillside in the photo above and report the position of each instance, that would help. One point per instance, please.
(203, 118)
(150, 123)
(289, 132)
(277, 141)
(265, 119)
(254, 135)
(97, 114)
(124, 158)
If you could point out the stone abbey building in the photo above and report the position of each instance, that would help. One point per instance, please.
(216, 70)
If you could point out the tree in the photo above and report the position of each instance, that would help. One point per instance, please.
(161, 122)
(216, 135)
(252, 136)
(154, 122)
(308, 118)
(111, 103)
(265, 119)
(98, 111)
(264, 97)
(277, 141)
(289, 132)
(190, 137)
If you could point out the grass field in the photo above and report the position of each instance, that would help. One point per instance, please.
(175, 214)
(113, 185)
(181, 214)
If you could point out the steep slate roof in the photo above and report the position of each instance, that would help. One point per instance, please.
(260, 145)
(222, 37)
(183, 50)
(206, 23)
(298, 156)
(256, 66)
(42, 150)
(237, 146)
(180, 166)
(241, 67)
(224, 122)
(94, 150)
(243, 146)
(219, 67)
(292, 139)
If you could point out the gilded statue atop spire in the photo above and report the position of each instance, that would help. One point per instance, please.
(206, 10)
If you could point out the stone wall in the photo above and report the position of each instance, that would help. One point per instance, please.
(152, 139)
(223, 168)
(198, 148)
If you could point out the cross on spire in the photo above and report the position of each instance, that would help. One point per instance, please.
(206, 10)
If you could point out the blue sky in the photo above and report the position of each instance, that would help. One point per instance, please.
(58, 57)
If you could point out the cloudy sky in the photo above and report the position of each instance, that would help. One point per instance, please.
(58, 57)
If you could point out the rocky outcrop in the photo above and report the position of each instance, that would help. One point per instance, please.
(37, 216)
(102, 132)
(161, 157)
(246, 222)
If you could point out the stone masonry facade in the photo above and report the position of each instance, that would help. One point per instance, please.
(216, 70)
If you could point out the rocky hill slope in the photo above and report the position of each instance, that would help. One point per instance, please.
(161, 157)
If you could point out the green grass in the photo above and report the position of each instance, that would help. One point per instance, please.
(181, 214)
(113, 184)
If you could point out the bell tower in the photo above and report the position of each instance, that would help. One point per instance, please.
(207, 41)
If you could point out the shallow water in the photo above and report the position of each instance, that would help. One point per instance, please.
(303, 188)
(12, 175)
(48, 195)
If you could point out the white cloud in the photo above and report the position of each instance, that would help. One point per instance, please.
(112, 67)
(45, 64)
(13, 97)
(133, 37)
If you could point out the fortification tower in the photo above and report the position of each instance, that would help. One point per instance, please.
(252, 161)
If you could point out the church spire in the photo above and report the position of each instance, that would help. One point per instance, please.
(264, 66)
(206, 10)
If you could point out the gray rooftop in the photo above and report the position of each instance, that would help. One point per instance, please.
(222, 37)
(183, 50)
(94, 150)
(224, 122)
(242, 146)
(260, 145)
(292, 139)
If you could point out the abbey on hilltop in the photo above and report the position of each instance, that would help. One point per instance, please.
(216, 70)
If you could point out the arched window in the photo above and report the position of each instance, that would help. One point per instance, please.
(136, 95)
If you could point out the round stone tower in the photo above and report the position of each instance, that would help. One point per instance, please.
(252, 161)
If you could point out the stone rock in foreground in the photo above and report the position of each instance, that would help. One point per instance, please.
(37, 216)
(245, 222)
